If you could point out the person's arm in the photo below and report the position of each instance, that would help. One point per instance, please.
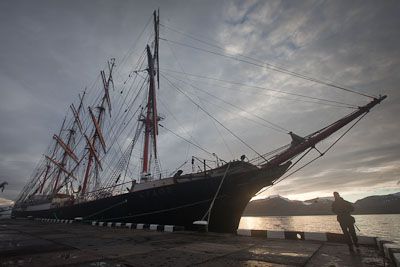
(334, 209)
(350, 206)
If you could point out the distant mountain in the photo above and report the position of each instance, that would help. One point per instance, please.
(280, 206)
(273, 206)
(378, 204)
(5, 208)
(6, 202)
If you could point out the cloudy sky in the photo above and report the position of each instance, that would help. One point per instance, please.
(51, 50)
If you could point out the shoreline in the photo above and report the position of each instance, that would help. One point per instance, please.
(251, 215)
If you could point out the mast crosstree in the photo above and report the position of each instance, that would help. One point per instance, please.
(94, 162)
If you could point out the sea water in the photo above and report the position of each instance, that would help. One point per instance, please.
(386, 226)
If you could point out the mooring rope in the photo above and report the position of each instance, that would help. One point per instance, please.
(216, 194)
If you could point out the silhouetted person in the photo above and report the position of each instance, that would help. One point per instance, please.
(177, 175)
(133, 183)
(3, 185)
(343, 209)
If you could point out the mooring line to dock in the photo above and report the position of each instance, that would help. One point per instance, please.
(108, 208)
(312, 255)
(161, 211)
(208, 212)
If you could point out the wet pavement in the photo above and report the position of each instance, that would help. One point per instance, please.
(34, 243)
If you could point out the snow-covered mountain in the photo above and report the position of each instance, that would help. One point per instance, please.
(320, 199)
(280, 206)
(6, 202)
(5, 208)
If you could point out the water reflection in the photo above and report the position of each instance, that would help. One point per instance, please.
(382, 225)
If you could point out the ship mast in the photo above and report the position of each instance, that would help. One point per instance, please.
(151, 119)
(68, 151)
(97, 138)
(48, 166)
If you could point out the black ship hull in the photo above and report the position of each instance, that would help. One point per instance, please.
(181, 203)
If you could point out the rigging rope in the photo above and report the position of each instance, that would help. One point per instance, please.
(240, 54)
(271, 67)
(182, 128)
(133, 47)
(275, 126)
(199, 147)
(206, 112)
(346, 105)
(308, 163)
(215, 126)
(202, 100)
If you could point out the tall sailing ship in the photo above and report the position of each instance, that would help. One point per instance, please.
(88, 170)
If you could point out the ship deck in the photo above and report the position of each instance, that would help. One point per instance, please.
(34, 243)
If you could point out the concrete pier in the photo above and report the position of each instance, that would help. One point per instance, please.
(35, 243)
